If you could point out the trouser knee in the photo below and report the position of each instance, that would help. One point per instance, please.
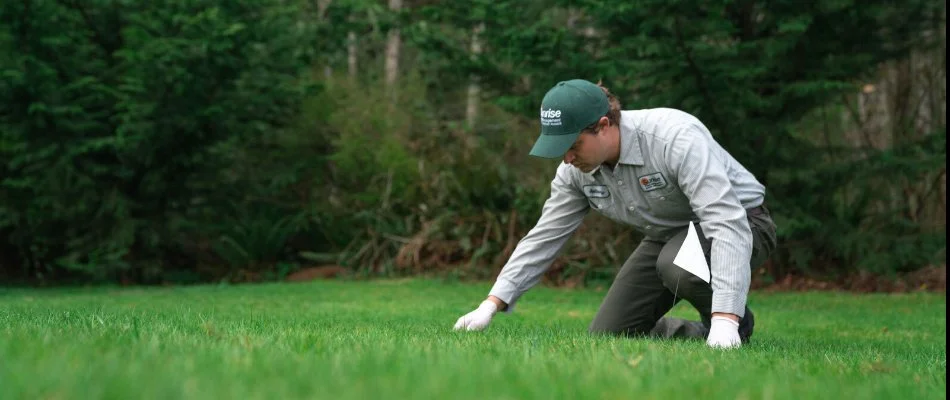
(677, 280)
(682, 282)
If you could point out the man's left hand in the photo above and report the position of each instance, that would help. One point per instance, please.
(724, 332)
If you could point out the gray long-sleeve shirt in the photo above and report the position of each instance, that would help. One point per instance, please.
(671, 171)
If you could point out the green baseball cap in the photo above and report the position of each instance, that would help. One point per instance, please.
(569, 107)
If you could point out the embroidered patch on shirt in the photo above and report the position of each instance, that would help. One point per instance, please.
(596, 191)
(652, 182)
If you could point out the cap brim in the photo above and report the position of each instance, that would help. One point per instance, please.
(553, 146)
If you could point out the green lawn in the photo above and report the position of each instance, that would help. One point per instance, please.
(394, 340)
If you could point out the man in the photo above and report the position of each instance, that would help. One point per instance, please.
(656, 170)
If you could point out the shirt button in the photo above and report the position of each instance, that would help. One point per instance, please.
(619, 183)
(662, 198)
(631, 208)
(649, 226)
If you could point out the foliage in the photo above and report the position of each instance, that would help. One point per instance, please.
(206, 140)
(111, 111)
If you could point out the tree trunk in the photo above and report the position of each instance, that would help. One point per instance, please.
(322, 6)
(471, 106)
(392, 50)
(351, 55)
(905, 103)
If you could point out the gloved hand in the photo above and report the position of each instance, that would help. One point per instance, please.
(723, 333)
(477, 319)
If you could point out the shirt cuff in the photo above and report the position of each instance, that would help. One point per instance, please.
(729, 302)
(507, 291)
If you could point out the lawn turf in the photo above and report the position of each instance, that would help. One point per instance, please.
(393, 339)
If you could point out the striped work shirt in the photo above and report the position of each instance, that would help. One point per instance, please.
(671, 171)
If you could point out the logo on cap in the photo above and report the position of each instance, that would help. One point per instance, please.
(550, 117)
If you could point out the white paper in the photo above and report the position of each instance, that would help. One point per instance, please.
(691, 257)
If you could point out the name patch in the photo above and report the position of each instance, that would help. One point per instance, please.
(651, 182)
(596, 191)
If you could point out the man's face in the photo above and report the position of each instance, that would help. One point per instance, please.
(588, 152)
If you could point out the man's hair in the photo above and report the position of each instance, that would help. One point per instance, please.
(613, 113)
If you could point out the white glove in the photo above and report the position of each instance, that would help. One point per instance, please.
(723, 333)
(478, 319)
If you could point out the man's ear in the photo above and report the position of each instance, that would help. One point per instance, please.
(603, 123)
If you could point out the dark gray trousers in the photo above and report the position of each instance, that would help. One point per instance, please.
(643, 291)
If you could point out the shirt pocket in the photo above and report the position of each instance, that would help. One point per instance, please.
(600, 204)
(655, 187)
(668, 202)
(663, 194)
(604, 206)
(598, 196)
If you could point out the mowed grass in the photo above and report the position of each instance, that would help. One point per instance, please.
(393, 340)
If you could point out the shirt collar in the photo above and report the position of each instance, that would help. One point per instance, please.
(630, 152)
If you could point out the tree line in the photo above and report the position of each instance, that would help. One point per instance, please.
(194, 141)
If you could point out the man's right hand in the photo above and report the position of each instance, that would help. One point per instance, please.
(479, 318)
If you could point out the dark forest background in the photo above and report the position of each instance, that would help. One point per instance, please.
(188, 141)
